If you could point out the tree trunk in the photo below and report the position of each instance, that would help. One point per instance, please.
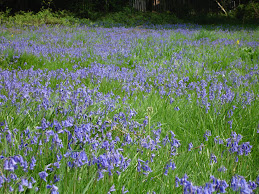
(149, 4)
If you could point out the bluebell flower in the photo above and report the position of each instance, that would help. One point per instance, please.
(218, 140)
(24, 182)
(33, 180)
(117, 139)
(128, 139)
(112, 189)
(10, 189)
(123, 191)
(152, 157)
(30, 185)
(33, 163)
(20, 188)
(100, 174)
(238, 183)
(177, 108)
(206, 135)
(213, 158)
(2, 180)
(201, 146)
(13, 176)
(56, 178)
(10, 164)
(257, 180)
(54, 189)
(184, 179)
(222, 169)
(190, 146)
(43, 175)
(56, 164)
(252, 185)
(230, 123)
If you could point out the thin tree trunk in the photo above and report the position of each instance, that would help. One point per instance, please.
(222, 8)
(149, 4)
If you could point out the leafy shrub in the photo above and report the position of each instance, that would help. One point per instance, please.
(130, 17)
(248, 53)
(45, 16)
(247, 13)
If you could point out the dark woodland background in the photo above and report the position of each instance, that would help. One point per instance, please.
(239, 9)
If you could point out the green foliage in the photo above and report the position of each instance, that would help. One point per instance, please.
(247, 13)
(45, 16)
(4, 16)
(248, 53)
(189, 123)
(130, 17)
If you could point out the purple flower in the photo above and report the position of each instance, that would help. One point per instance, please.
(20, 188)
(54, 189)
(33, 180)
(252, 185)
(257, 180)
(222, 169)
(207, 133)
(143, 165)
(11, 189)
(238, 183)
(201, 146)
(177, 108)
(2, 180)
(43, 175)
(168, 166)
(128, 139)
(56, 164)
(10, 164)
(100, 174)
(213, 158)
(177, 181)
(24, 182)
(218, 140)
(123, 191)
(190, 146)
(30, 185)
(33, 163)
(111, 189)
(230, 123)
(56, 178)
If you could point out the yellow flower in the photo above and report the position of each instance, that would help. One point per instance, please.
(12, 35)
(237, 41)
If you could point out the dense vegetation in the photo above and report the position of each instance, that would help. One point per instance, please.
(166, 108)
(123, 11)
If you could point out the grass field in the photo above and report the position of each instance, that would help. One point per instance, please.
(162, 108)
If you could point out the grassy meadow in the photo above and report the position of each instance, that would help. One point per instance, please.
(146, 109)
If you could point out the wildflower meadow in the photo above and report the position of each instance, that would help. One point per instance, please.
(147, 109)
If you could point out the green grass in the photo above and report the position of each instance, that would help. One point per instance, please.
(164, 56)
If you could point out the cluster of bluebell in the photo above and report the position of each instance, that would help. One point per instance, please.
(232, 143)
(238, 184)
(61, 119)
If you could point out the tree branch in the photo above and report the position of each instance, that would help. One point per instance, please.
(222, 8)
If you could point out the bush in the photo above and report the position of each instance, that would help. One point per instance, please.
(45, 16)
(130, 17)
(247, 13)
